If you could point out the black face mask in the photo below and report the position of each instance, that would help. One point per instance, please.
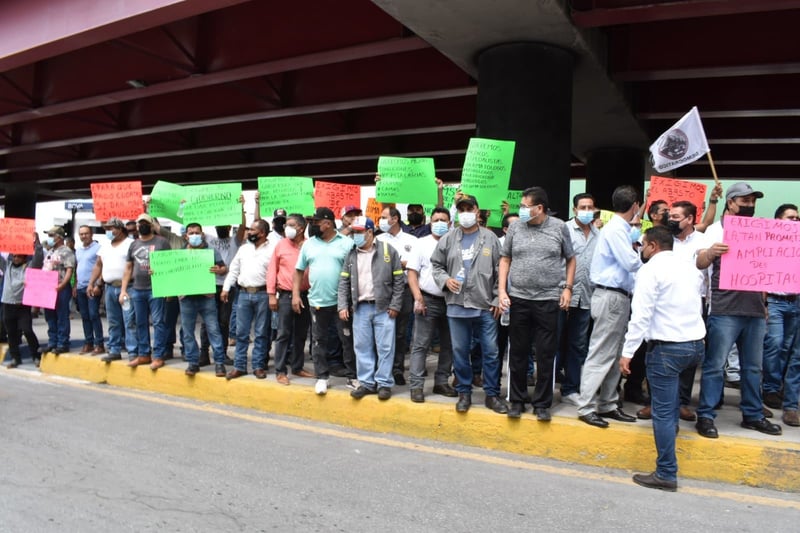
(314, 231)
(278, 226)
(674, 226)
(746, 210)
(642, 257)
(223, 232)
(145, 229)
(252, 237)
(415, 219)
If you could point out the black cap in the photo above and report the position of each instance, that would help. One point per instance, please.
(466, 199)
(279, 213)
(323, 213)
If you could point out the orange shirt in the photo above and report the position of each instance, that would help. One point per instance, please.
(281, 268)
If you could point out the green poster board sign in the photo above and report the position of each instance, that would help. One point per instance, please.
(214, 204)
(496, 215)
(487, 171)
(165, 200)
(294, 194)
(182, 272)
(406, 180)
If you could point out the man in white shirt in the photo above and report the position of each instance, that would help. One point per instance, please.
(666, 312)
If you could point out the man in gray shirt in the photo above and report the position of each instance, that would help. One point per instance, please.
(530, 285)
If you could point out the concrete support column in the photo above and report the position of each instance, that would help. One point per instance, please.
(525, 95)
(608, 168)
(20, 200)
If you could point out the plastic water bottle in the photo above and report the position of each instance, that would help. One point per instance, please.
(126, 303)
(460, 279)
(505, 318)
(180, 208)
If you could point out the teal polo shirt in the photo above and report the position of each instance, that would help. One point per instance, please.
(325, 260)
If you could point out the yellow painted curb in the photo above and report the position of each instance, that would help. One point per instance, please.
(736, 460)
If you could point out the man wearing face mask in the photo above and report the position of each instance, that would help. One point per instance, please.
(613, 265)
(88, 306)
(292, 327)
(109, 269)
(658, 213)
(542, 244)
(146, 307)
(278, 225)
(371, 286)
(324, 254)
(430, 313)
(465, 264)
(405, 245)
(203, 305)
(583, 234)
(249, 270)
(61, 259)
(349, 212)
(16, 315)
(666, 312)
(734, 316)
(417, 227)
(133, 232)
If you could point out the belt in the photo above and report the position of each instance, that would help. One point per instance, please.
(783, 297)
(429, 295)
(614, 289)
(253, 290)
(367, 302)
(115, 283)
(657, 342)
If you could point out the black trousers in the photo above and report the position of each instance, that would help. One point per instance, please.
(533, 321)
(17, 321)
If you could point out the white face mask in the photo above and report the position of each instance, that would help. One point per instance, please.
(467, 219)
(385, 225)
(290, 232)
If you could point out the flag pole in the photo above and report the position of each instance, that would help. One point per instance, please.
(713, 168)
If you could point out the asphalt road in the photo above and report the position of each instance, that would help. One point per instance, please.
(81, 457)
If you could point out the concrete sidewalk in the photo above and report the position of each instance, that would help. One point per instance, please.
(739, 456)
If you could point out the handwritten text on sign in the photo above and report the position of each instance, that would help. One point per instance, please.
(673, 190)
(762, 255)
(375, 209)
(406, 179)
(182, 272)
(40, 288)
(215, 204)
(121, 199)
(487, 169)
(16, 235)
(335, 196)
(294, 194)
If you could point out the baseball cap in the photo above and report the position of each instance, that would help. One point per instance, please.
(57, 230)
(323, 213)
(466, 199)
(742, 189)
(351, 209)
(362, 224)
(144, 217)
(114, 222)
(279, 213)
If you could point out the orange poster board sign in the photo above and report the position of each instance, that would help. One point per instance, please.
(674, 190)
(375, 208)
(121, 199)
(16, 235)
(336, 195)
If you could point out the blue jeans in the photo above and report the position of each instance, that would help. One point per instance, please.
(371, 328)
(58, 327)
(748, 334)
(206, 307)
(146, 308)
(290, 343)
(118, 330)
(782, 324)
(484, 328)
(577, 332)
(664, 363)
(791, 383)
(252, 309)
(90, 316)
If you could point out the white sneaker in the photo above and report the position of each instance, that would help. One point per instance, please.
(571, 399)
(321, 387)
(351, 383)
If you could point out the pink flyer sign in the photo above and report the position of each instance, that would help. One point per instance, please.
(40, 288)
(762, 256)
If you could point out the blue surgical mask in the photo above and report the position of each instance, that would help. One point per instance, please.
(525, 214)
(110, 235)
(195, 240)
(384, 225)
(585, 217)
(467, 219)
(51, 241)
(359, 239)
(636, 232)
(439, 228)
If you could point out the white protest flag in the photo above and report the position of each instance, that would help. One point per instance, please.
(683, 143)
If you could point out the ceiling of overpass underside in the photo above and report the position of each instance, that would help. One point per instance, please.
(275, 88)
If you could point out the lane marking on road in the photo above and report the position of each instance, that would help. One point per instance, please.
(748, 499)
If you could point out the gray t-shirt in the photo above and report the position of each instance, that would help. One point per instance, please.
(139, 255)
(537, 253)
(736, 303)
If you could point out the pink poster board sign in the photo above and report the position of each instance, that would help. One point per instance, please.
(762, 256)
(40, 288)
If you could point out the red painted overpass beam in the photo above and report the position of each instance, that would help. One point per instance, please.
(33, 30)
